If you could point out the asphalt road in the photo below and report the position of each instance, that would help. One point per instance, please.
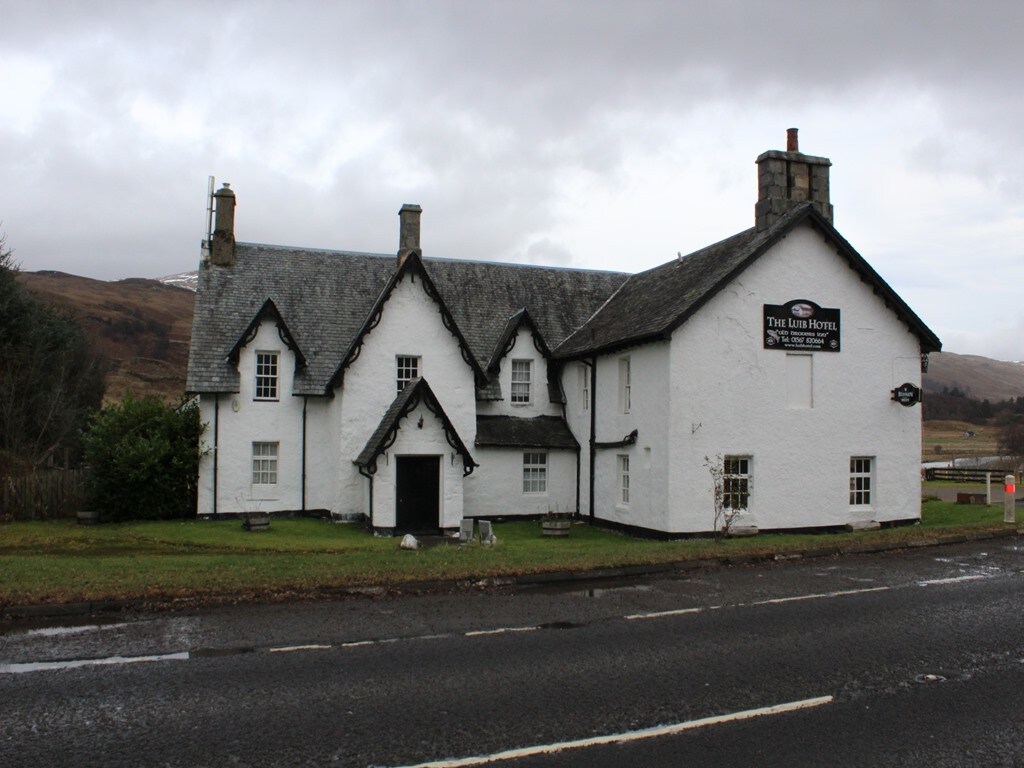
(901, 659)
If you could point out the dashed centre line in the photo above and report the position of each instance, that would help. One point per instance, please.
(40, 666)
(955, 579)
(499, 631)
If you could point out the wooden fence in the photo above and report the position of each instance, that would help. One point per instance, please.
(966, 475)
(42, 495)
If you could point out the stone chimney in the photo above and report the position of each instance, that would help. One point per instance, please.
(222, 249)
(788, 179)
(408, 232)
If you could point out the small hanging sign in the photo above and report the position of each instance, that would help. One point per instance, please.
(802, 325)
(907, 394)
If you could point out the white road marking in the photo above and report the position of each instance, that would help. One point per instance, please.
(628, 736)
(43, 666)
(58, 631)
(291, 648)
(662, 614)
(499, 631)
(358, 643)
(821, 596)
(955, 579)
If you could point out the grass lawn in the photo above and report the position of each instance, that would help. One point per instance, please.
(60, 561)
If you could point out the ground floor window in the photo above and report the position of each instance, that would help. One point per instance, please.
(624, 479)
(535, 472)
(264, 463)
(736, 482)
(860, 480)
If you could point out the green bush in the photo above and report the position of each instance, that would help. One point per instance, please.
(143, 458)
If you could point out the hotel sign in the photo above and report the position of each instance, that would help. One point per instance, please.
(801, 325)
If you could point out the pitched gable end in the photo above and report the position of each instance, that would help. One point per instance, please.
(415, 392)
(268, 311)
(412, 266)
(651, 305)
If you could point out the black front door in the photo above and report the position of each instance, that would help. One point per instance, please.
(417, 508)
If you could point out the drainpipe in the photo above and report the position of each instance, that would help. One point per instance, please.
(304, 399)
(216, 448)
(593, 430)
(579, 452)
(369, 477)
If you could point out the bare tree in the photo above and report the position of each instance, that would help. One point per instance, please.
(725, 513)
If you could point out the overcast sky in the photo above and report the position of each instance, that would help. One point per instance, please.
(605, 135)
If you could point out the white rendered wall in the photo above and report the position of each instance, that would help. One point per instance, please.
(415, 441)
(729, 396)
(411, 325)
(648, 458)
(495, 489)
(243, 421)
(577, 415)
(540, 402)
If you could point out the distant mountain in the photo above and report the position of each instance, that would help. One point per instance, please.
(142, 326)
(979, 377)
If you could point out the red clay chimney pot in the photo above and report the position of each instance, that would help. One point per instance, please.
(792, 143)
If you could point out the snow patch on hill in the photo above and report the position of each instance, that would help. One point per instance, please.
(182, 280)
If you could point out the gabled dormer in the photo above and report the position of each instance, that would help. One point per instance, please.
(266, 356)
(521, 379)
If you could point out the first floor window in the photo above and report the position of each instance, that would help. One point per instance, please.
(266, 375)
(624, 479)
(584, 387)
(625, 385)
(264, 463)
(535, 473)
(736, 482)
(860, 481)
(408, 369)
(521, 381)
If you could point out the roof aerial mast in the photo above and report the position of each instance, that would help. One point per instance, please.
(209, 219)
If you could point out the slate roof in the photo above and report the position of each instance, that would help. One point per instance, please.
(325, 298)
(652, 304)
(518, 432)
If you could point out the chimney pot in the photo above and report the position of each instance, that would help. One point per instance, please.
(792, 142)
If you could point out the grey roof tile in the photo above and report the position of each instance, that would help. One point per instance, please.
(519, 432)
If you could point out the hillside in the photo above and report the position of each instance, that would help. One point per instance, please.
(142, 326)
(978, 377)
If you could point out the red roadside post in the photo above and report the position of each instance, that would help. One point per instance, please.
(1009, 491)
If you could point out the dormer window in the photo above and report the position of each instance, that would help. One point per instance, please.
(408, 368)
(266, 375)
(521, 380)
